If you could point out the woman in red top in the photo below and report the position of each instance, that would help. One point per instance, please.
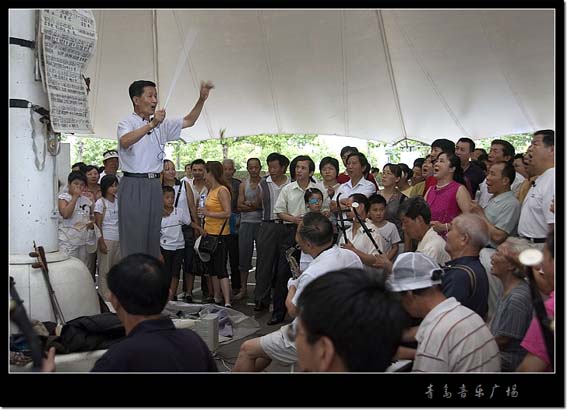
(449, 197)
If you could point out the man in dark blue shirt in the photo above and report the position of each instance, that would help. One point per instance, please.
(466, 279)
(139, 289)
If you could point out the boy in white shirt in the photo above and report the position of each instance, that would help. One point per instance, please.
(172, 242)
(389, 231)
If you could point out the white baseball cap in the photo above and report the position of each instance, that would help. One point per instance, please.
(109, 154)
(414, 270)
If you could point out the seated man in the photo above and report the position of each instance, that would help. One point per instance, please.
(315, 237)
(466, 278)
(451, 337)
(336, 332)
(139, 290)
(416, 217)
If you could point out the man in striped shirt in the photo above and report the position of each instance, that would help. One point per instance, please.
(451, 338)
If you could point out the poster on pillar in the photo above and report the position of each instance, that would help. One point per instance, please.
(67, 39)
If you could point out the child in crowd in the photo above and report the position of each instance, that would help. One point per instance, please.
(314, 203)
(172, 242)
(106, 219)
(388, 230)
(75, 217)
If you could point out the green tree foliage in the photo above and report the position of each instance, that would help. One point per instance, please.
(89, 150)
(521, 142)
(260, 146)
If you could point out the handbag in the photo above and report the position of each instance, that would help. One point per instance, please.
(209, 243)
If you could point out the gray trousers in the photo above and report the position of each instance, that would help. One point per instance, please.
(140, 208)
(268, 248)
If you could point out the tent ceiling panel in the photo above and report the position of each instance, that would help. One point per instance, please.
(454, 72)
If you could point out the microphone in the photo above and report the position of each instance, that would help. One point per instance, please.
(533, 183)
(151, 119)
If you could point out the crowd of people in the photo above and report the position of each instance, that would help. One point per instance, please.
(417, 263)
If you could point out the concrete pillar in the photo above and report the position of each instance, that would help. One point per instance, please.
(32, 196)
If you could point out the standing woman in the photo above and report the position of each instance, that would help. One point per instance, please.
(185, 200)
(391, 175)
(94, 192)
(449, 197)
(329, 168)
(106, 219)
(217, 211)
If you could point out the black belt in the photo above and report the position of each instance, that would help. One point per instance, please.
(150, 175)
(273, 221)
(535, 240)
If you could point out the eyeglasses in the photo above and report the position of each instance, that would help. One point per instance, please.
(313, 201)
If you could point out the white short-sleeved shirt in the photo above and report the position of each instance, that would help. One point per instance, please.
(72, 231)
(147, 154)
(363, 186)
(483, 196)
(389, 232)
(327, 261)
(433, 245)
(171, 235)
(304, 261)
(110, 221)
(291, 199)
(535, 215)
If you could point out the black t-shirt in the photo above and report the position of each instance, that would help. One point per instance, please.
(474, 175)
(157, 346)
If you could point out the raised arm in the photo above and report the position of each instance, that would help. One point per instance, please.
(192, 117)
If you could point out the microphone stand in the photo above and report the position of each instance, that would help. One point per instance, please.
(364, 227)
(341, 219)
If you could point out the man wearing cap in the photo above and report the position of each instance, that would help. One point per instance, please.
(142, 137)
(451, 337)
(111, 164)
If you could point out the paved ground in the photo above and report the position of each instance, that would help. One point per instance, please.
(226, 354)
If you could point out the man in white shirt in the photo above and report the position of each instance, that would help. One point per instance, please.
(142, 137)
(416, 217)
(315, 237)
(451, 337)
(536, 218)
(500, 150)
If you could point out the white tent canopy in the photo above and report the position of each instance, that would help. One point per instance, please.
(374, 74)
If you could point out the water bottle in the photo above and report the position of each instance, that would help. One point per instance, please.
(201, 205)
